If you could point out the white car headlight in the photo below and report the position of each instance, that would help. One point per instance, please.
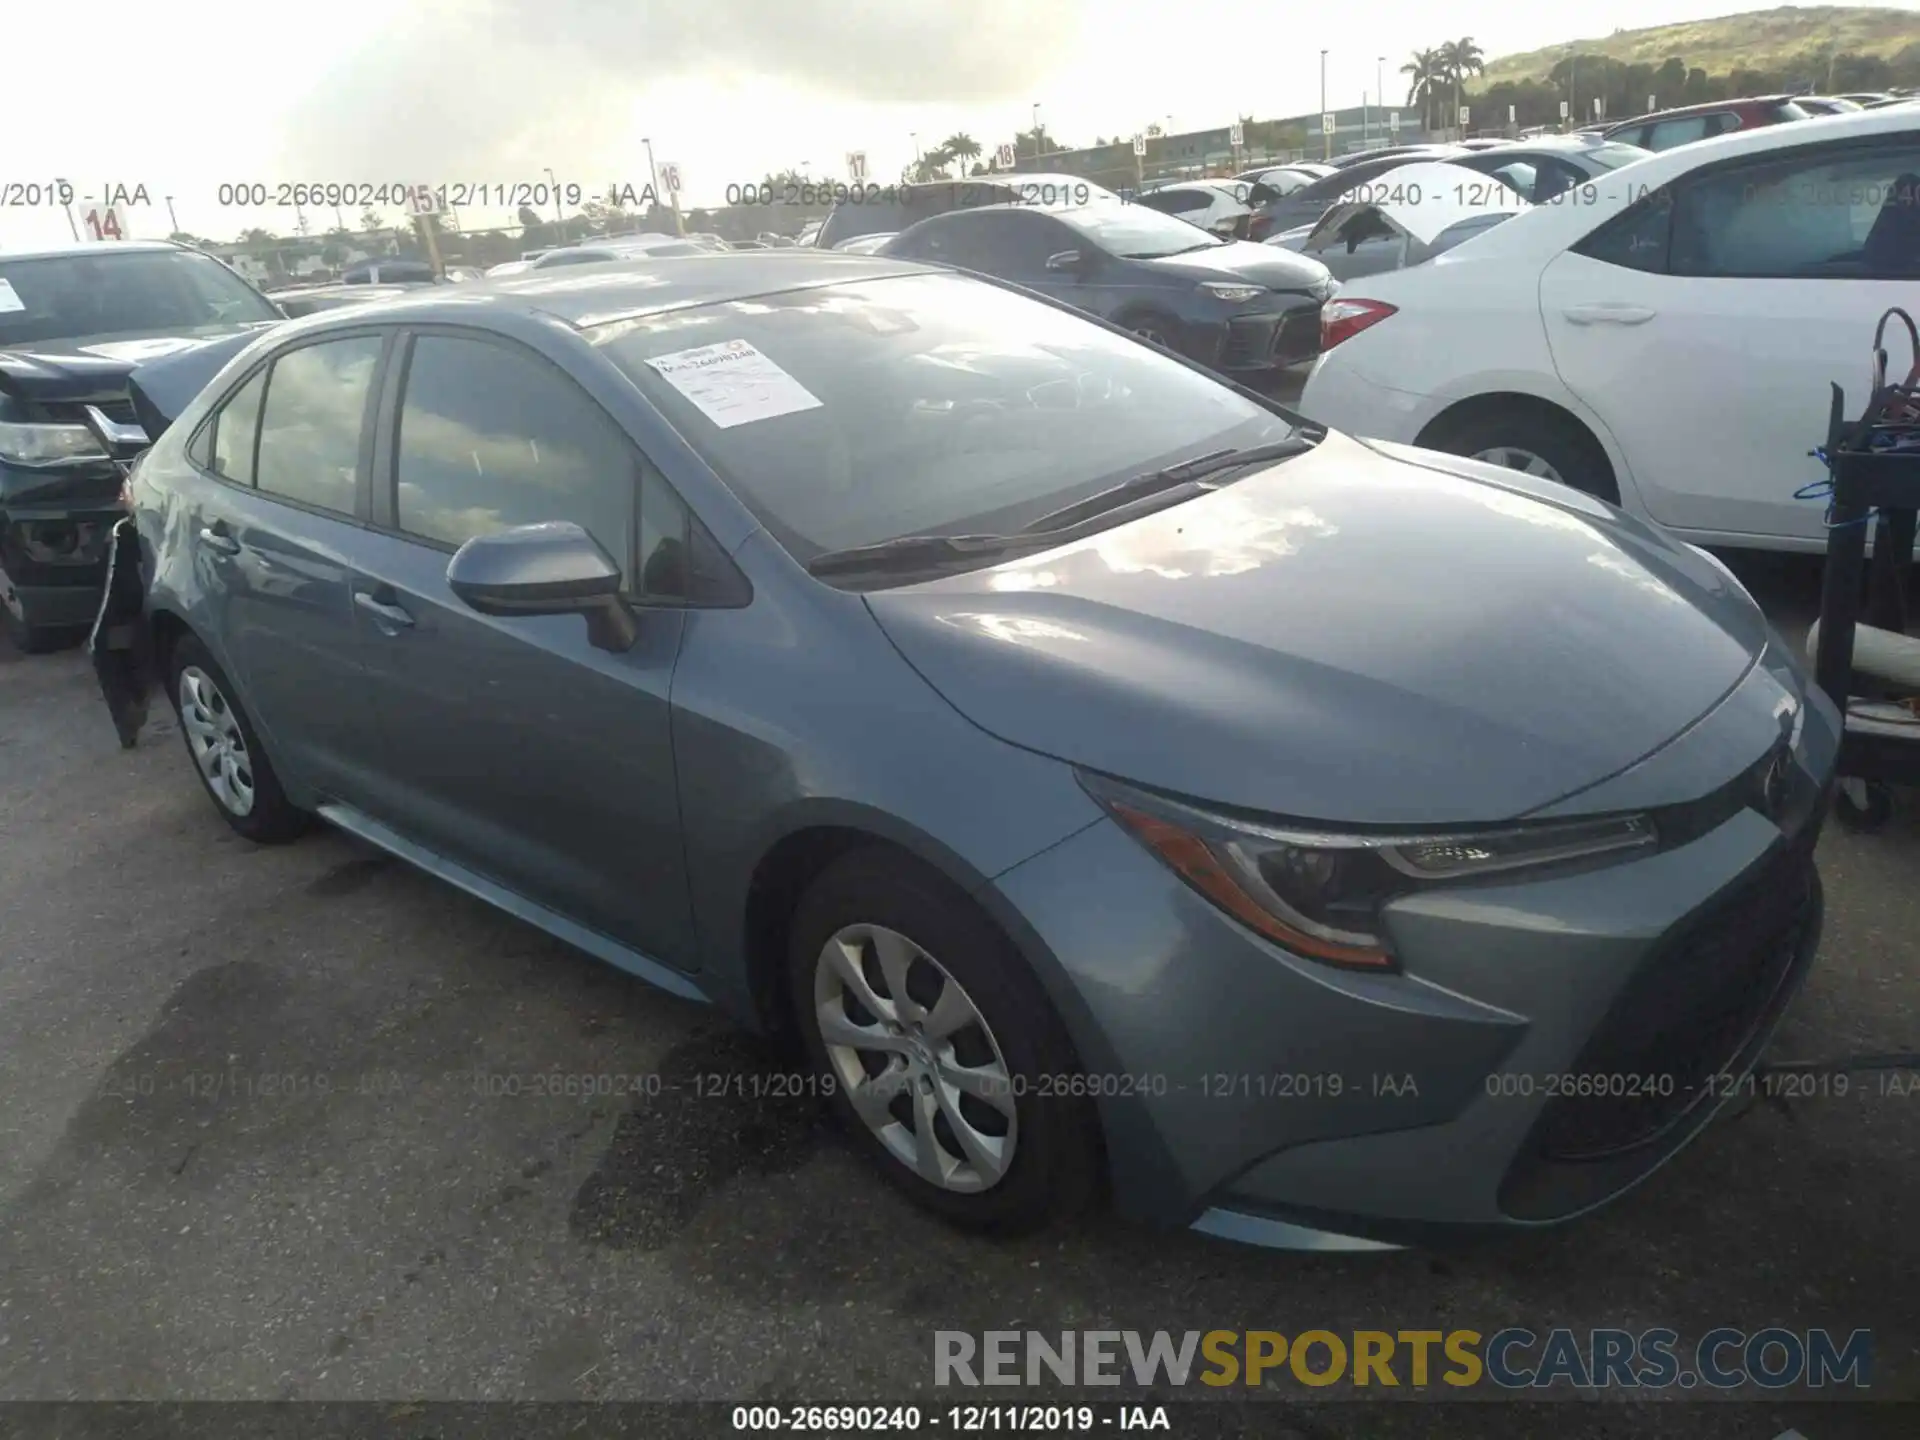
(1231, 291)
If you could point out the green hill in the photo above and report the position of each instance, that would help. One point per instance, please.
(1759, 40)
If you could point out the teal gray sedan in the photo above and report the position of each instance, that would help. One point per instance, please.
(1111, 783)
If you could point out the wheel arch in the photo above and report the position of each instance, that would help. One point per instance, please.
(1487, 404)
(813, 839)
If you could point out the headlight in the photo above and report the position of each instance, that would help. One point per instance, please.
(1319, 894)
(1232, 293)
(47, 444)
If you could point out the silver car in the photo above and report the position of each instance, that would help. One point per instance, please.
(1114, 781)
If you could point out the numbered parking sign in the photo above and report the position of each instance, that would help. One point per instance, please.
(104, 222)
(1563, 109)
(1004, 157)
(670, 176)
(1236, 135)
(1393, 122)
(1139, 144)
(857, 166)
(422, 202)
(1326, 123)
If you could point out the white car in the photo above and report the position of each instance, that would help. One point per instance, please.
(1407, 218)
(1218, 207)
(1662, 337)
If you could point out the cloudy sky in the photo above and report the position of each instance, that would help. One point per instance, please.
(181, 96)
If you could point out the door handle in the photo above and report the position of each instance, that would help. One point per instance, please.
(215, 537)
(389, 616)
(1608, 314)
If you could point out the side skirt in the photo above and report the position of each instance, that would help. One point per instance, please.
(355, 822)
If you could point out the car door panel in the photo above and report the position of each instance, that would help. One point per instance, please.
(278, 572)
(521, 751)
(514, 746)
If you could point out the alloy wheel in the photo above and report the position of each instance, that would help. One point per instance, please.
(915, 1058)
(214, 738)
(1512, 457)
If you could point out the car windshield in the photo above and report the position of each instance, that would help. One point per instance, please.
(109, 294)
(920, 404)
(1138, 232)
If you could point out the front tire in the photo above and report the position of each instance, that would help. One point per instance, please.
(226, 751)
(942, 1057)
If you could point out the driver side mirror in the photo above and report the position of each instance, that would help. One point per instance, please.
(1071, 262)
(552, 569)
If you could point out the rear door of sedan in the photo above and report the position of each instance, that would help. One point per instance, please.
(513, 746)
(273, 519)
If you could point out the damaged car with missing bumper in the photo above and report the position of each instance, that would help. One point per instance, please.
(74, 322)
(1109, 779)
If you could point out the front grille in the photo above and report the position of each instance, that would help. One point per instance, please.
(1298, 337)
(1688, 1013)
(1249, 342)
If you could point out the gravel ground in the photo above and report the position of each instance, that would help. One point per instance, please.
(242, 1157)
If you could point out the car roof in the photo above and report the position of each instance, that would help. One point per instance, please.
(120, 247)
(587, 295)
(1708, 107)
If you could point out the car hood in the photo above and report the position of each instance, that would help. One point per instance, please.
(1243, 260)
(1366, 634)
(83, 371)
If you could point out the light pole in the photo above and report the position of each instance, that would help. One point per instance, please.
(653, 176)
(1036, 129)
(1380, 90)
(556, 194)
(1326, 138)
(173, 223)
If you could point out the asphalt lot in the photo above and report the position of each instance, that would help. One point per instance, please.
(376, 1227)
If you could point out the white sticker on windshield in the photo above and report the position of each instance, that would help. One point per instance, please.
(733, 383)
(9, 302)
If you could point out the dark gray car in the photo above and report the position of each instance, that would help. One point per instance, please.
(1247, 310)
(1111, 778)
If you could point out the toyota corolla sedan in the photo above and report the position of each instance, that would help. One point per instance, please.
(1113, 781)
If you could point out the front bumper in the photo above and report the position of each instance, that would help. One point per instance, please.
(1265, 1097)
(1268, 341)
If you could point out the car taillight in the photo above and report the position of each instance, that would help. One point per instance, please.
(1344, 319)
(1258, 226)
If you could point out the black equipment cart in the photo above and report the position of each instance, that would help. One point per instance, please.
(1875, 466)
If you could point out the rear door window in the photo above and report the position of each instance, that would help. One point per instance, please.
(312, 422)
(1682, 131)
(1851, 213)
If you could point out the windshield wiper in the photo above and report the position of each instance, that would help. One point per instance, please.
(910, 553)
(1187, 472)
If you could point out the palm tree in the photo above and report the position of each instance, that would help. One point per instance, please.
(962, 147)
(1424, 75)
(1459, 59)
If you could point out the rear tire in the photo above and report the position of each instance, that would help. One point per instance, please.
(226, 751)
(1015, 1152)
(1534, 442)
